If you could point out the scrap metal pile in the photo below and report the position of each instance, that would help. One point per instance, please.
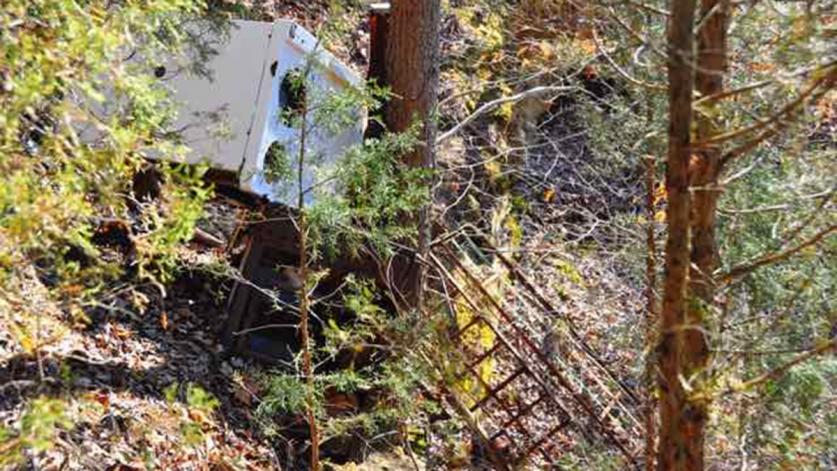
(532, 392)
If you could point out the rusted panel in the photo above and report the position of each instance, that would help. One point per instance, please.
(536, 409)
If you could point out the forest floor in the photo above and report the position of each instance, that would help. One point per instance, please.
(133, 371)
(129, 374)
(145, 377)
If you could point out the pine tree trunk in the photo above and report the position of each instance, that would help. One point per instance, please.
(674, 451)
(703, 176)
(413, 75)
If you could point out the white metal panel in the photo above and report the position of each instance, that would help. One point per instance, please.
(216, 112)
(292, 49)
(231, 117)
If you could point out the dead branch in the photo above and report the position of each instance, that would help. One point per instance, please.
(746, 268)
(491, 105)
(783, 369)
(826, 79)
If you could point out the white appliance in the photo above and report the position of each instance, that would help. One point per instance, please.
(231, 117)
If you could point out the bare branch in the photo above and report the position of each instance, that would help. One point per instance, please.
(619, 70)
(756, 85)
(783, 369)
(745, 268)
(828, 79)
(491, 105)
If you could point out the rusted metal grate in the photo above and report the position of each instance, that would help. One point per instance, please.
(536, 404)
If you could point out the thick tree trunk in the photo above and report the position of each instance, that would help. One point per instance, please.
(703, 174)
(674, 449)
(413, 75)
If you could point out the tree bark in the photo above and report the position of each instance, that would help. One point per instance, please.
(674, 449)
(703, 175)
(413, 76)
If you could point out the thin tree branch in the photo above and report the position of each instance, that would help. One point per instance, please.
(783, 369)
(787, 109)
(745, 268)
(619, 70)
(756, 85)
(491, 105)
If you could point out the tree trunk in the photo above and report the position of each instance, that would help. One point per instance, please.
(703, 175)
(413, 75)
(674, 446)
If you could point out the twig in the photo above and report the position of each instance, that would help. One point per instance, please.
(787, 109)
(265, 327)
(621, 71)
(781, 370)
(485, 108)
(745, 268)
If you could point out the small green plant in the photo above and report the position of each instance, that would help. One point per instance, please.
(285, 394)
(367, 202)
(200, 404)
(37, 430)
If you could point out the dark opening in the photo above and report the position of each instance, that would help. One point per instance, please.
(276, 164)
(292, 95)
(160, 71)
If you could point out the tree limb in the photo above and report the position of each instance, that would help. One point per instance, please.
(828, 78)
(491, 105)
(745, 268)
(783, 369)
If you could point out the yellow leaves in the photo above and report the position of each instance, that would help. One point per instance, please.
(505, 110)
(493, 169)
(79, 318)
(586, 45)
(201, 416)
(24, 338)
(536, 53)
(491, 31)
(569, 271)
(660, 197)
(547, 50)
(549, 195)
(660, 216)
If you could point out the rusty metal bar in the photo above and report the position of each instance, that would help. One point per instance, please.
(486, 354)
(492, 393)
(520, 360)
(515, 446)
(563, 424)
(550, 308)
(523, 411)
(500, 399)
(585, 406)
(476, 320)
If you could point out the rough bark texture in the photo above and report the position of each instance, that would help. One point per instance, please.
(413, 75)
(674, 448)
(703, 174)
